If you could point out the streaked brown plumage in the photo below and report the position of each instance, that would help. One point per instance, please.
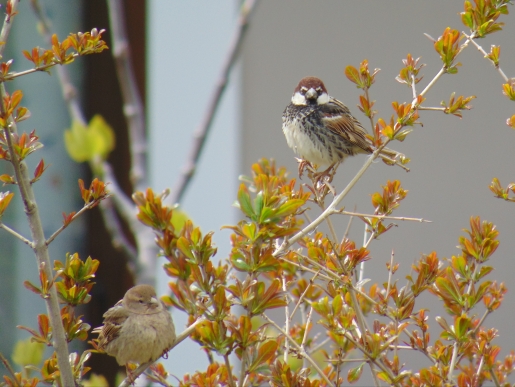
(138, 328)
(321, 129)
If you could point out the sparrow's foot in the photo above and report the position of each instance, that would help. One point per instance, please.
(164, 355)
(131, 377)
(324, 176)
(304, 164)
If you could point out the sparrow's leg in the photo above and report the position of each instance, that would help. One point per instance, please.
(303, 165)
(164, 355)
(130, 376)
(329, 173)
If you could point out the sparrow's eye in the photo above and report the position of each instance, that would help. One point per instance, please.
(319, 90)
(140, 301)
(303, 90)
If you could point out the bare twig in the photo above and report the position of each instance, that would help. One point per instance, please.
(133, 107)
(200, 134)
(482, 51)
(454, 357)
(138, 371)
(341, 212)
(9, 369)
(287, 318)
(16, 234)
(115, 229)
(371, 359)
(310, 227)
(229, 371)
(304, 294)
(61, 229)
(441, 109)
(300, 350)
(306, 330)
(347, 230)
(494, 378)
(390, 273)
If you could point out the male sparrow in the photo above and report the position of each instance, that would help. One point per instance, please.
(321, 129)
(137, 329)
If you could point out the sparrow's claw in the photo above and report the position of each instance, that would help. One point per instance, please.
(304, 164)
(164, 355)
(326, 175)
(130, 376)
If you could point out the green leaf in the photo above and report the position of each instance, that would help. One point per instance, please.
(77, 142)
(86, 143)
(96, 381)
(355, 373)
(102, 136)
(244, 201)
(265, 352)
(353, 75)
(27, 352)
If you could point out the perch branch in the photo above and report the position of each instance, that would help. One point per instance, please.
(138, 371)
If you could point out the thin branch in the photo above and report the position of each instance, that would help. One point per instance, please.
(300, 349)
(413, 87)
(331, 229)
(320, 345)
(115, 229)
(124, 205)
(229, 371)
(9, 369)
(453, 362)
(341, 212)
(374, 375)
(480, 49)
(480, 367)
(432, 83)
(6, 27)
(306, 330)
(440, 109)
(360, 318)
(287, 318)
(371, 358)
(88, 206)
(133, 107)
(138, 371)
(390, 273)
(310, 227)
(370, 117)
(302, 267)
(17, 235)
(347, 230)
(200, 134)
(311, 281)
(494, 378)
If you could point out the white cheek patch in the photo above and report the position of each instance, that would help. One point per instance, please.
(323, 98)
(298, 99)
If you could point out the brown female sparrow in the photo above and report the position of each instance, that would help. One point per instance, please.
(321, 129)
(137, 329)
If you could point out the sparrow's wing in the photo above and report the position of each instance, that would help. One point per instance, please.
(337, 118)
(113, 320)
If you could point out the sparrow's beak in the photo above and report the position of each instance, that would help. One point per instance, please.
(311, 94)
(154, 301)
